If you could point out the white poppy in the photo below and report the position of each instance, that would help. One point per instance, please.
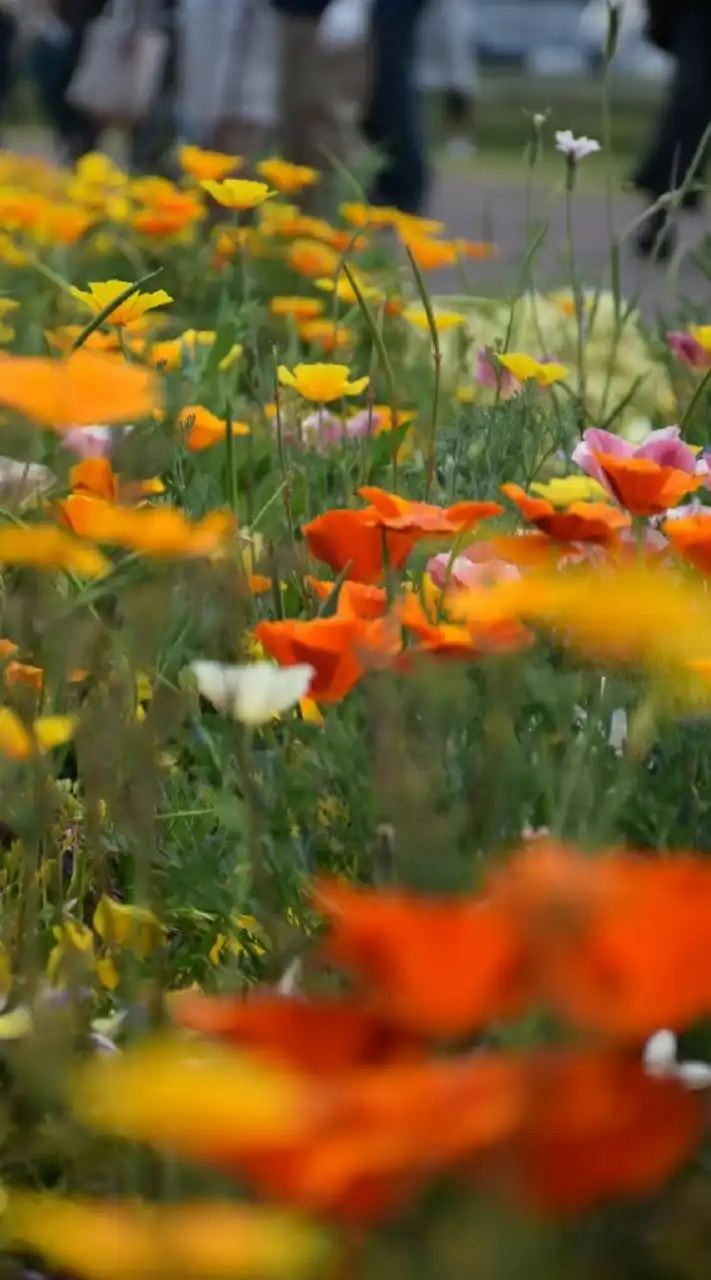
(575, 149)
(254, 693)
(660, 1060)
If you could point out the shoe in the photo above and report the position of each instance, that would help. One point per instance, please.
(656, 238)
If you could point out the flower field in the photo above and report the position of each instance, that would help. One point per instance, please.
(355, 652)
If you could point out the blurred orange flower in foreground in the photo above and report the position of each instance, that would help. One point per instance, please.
(45, 547)
(155, 531)
(554, 928)
(86, 388)
(691, 539)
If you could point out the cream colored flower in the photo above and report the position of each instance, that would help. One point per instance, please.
(253, 693)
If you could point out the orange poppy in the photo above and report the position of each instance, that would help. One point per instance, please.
(352, 542)
(423, 518)
(97, 478)
(358, 600)
(595, 1126)
(318, 1039)
(312, 259)
(691, 538)
(429, 253)
(577, 522)
(451, 636)
(335, 647)
(644, 487)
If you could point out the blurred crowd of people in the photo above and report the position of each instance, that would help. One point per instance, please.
(310, 78)
(314, 79)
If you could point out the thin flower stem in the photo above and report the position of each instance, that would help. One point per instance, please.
(437, 361)
(578, 296)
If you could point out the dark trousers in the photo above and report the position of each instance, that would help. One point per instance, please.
(8, 35)
(687, 111)
(393, 121)
(53, 64)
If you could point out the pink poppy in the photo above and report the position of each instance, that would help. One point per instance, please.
(687, 349)
(475, 567)
(488, 373)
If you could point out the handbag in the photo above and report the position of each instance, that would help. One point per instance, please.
(121, 67)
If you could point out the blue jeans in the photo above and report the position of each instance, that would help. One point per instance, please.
(393, 120)
(53, 64)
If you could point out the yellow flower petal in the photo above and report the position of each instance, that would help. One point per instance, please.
(54, 731)
(121, 924)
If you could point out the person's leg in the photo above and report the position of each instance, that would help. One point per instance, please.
(686, 114)
(53, 64)
(8, 36)
(394, 119)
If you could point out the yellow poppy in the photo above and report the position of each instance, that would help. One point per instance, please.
(321, 383)
(345, 291)
(136, 929)
(101, 293)
(561, 491)
(525, 369)
(443, 320)
(238, 193)
(300, 308)
(48, 732)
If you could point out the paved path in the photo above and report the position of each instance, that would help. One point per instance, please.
(486, 207)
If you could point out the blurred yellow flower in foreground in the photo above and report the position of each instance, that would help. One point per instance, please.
(43, 546)
(238, 193)
(287, 177)
(207, 1240)
(321, 383)
(210, 166)
(702, 334)
(47, 732)
(102, 293)
(650, 617)
(561, 491)
(193, 1099)
(120, 924)
(525, 369)
(86, 388)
